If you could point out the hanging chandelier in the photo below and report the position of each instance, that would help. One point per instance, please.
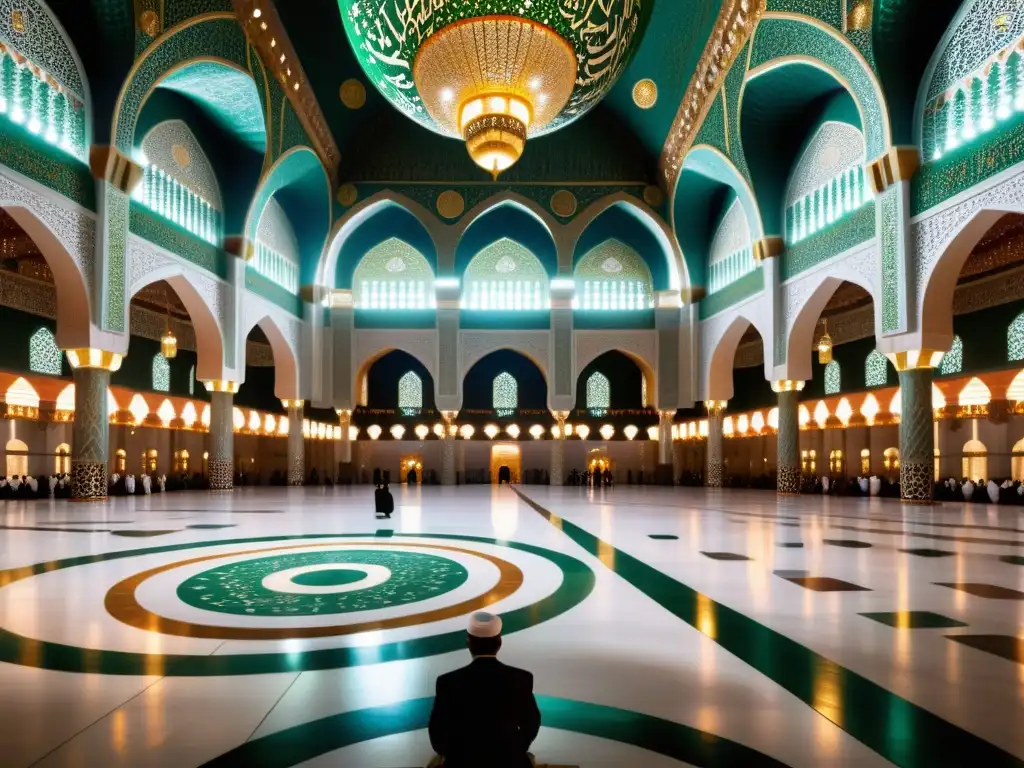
(493, 80)
(825, 345)
(168, 342)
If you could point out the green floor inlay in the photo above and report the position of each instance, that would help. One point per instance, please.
(237, 588)
(335, 578)
(305, 742)
(662, 537)
(914, 620)
(897, 729)
(1012, 559)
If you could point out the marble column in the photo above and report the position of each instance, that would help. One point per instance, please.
(917, 436)
(788, 461)
(221, 464)
(90, 433)
(663, 474)
(714, 470)
(448, 476)
(557, 474)
(296, 445)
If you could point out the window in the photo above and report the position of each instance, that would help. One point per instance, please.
(32, 97)
(62, 459)
(506, 276)
(393, 275)
(1015, 339)
(161, 374)
(149, 462)
(599, 394)
(643, 391)
(975, 461)
(181, 461)
(192, 380)
(120, 461)
(865, 462)
(43, 353)
(836, 464)
(410, 394)
(809, 462)
(953, 361)
(613, 277)
(1017, 462)
(17, 458)
(876, 370)
(833, 378)
(165, 195)
(891, 460)
(505, 394)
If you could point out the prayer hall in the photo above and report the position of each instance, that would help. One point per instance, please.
(511, 383)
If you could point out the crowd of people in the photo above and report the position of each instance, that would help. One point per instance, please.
(28, 487)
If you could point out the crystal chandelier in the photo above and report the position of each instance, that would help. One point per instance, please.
(825, 345)
(494, 80)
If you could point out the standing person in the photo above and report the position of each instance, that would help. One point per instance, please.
(485, 708)
(383, 501)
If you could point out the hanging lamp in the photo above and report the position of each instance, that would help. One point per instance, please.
(168, 342)
(825, 345)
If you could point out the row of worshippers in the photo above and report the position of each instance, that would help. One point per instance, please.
(588, 478)
(130, 485)
(980, 491)
(28, 487)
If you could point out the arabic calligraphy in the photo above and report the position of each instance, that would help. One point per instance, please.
(386, 35)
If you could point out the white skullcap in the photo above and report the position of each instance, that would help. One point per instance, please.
(483, 624)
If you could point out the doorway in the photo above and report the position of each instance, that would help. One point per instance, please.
(505, 464)
(412, 470)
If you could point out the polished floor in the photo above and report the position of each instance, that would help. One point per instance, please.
(664, 627)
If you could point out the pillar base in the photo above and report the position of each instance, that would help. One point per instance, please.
(916, 482)
(788, 481)
(663, 475)
(88, 480)
(222, 474)
(714, 478)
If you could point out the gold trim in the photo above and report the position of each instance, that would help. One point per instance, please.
(788, 385)
(288, 404)
(222, 385)
(109, 164)
(915, 360)
(100, 359)
(892, 167)
(768, 248)
(122, 604)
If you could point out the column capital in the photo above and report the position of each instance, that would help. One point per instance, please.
(448, 292)
(768, 248)
(917, 359)
(290, 404)
(345, 414)
(787, 385)
(716, 407)
(99, 359)
(239, 247)
(891, 167)
(109, 164)
(693, 294)
(222, 385)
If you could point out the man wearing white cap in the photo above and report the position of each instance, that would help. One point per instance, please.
(485, 713)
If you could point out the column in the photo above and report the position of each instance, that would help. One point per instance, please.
(343, 452)
(713, 471)
(90, 433)
(557, 474)
(663, 474)
(296, 446)
(917, 437)
(788, 461)
(221, 464)
(448, 448)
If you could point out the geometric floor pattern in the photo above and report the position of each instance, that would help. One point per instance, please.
(287, 627)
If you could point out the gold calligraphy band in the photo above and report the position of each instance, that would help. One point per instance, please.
(122, 604)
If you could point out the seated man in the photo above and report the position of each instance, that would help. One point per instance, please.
(485, 713)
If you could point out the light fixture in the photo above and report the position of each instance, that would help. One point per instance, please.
(168, 342)
(825, 345)
(514, 76)
(374, 431)
(513, 431)
(467, 431)
(353, 433)
(556, 432)
(607, 432)
(583, 431)
(568, 430)
(422, 430)
(630, 432)
(397, 431)
(537, 431)
(439, 429)
(256, 13)
(652, 433)
(491, 431)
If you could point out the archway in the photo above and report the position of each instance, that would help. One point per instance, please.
(508, 221)
(975, 461)
(17, 458)
(284, 357)
(397, 381)
(504, 384)
(613, 381)
(723, 358)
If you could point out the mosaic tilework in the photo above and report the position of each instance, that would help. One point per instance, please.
(890, 245)
(117, 206)
(41, 41)
(828, 11)
(159, 231)
(748, 285)
(172, 148)
(787, 37)
(835, 147)
(33, 157)
(713, 130)
(856, 228)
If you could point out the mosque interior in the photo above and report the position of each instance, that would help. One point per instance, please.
(687, 336)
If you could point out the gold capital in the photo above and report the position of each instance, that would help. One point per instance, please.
(222, 385)
(787, 385)
(94, 358)
(109, 164)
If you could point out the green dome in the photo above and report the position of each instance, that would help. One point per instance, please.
(386, 37)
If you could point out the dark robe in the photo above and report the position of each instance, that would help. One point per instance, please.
(384, 501)
(484, 714)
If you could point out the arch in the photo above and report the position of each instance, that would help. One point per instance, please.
(393, 275)
(299, 181)
(833, 378)
(17, 458)
(505, 275)
(480, 373)
(508, 220)
(975, 460)
(286, 358)
(974, 393)
(62, 459)
(505, 394)
(942, 270)
(719, 366)
(46, 44)
(876, 369)
(362, 212)
(622, 223)
(507, 199)
(599, 394)
(953, 360)
(73, 306)
(161, 378)
(589, 354)
(44, 356)
(410, 394)
(805, 318)
(22, 393)
(423, 354)
(707, 186)
(209, 339)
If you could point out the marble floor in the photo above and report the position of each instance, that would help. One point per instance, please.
(664, 627)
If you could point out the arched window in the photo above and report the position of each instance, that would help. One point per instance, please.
(599, 394)
(393, 275)
(975, 461)
(1015, 339)
(62, 459)
(836, 462)
(953, 361)
(506, 276)
(1017, 461)
(192, 380)
(876, 370)
(505, 394)
(410, 394)
(43, 353)
(865, 462)
(17, 458)
(120, 460)
(181, 461)
(161, 374)
(891, 460)
(833, 378)
(614, 277)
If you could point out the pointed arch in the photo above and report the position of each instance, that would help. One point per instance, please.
(505, 394)
(508, 220)
(876, 369)
(833, 378)
(44, 356)
(410, 394)
(161, 374)
(721, 354)
(599, 394)
(286, 360)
